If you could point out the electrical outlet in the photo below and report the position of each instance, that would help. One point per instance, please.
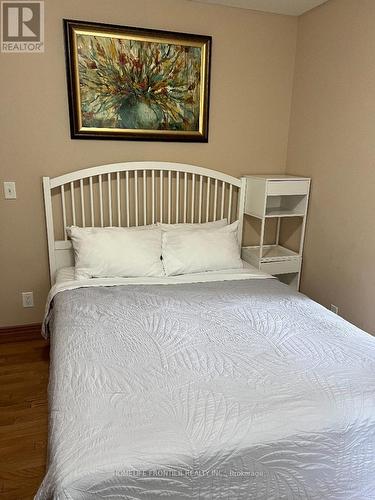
(334, 309)
(27, 299)
(10, 190)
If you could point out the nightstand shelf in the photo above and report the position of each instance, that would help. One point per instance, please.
(270, 253)
(278, 212)
(279, 197)
(275, 259)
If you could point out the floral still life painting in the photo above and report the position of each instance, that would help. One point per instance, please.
(132, 83)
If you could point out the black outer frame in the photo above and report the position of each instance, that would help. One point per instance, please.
(69, 24)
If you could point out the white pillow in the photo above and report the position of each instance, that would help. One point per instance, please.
(196, 251)
(193, 225)
(107, 252)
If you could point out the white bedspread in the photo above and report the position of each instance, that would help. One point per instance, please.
(233, 390)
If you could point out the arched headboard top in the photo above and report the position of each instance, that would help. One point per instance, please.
(132, 194)
(140, 166)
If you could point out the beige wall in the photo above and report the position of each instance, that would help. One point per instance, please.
(332, 139)
(252, 74)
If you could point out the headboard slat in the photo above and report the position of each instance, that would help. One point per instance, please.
(177, 196)
(208, 199)
(215, 199)
(169, 195)
(136, 196)
(161, 196)
(118, 196)
(101, 200)
(192, 197)
(200, 198)
(82, 203)
(109, 198)
(92, 217)
(152, 196)
(185, 196)
(145, 197)
(63, 209)
(230, 204)
(222, 200)
(73, 203)
(127, 200)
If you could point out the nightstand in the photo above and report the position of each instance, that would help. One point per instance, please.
(277, 196)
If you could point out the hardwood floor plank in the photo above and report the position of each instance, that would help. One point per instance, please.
(23, 414)
(12, 358)
(11, 415)
(31, 367)
(20, 333)
(14, 445)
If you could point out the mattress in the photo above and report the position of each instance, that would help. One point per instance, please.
(230, 389)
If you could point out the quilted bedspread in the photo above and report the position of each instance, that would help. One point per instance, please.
(222, 390)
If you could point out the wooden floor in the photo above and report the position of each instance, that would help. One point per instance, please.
(23, 416)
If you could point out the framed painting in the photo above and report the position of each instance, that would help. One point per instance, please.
(137, 84)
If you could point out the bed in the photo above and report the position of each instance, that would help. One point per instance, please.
(208, 385)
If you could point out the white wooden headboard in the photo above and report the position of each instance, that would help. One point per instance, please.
(132, 194)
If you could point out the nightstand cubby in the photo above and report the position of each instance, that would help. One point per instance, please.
(277, 197)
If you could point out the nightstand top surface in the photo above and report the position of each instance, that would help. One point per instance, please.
(278, 177)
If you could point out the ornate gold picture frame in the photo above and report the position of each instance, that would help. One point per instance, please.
(137, 84)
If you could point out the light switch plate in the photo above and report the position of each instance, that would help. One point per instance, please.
(10, 190)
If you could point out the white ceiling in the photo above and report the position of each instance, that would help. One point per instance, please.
(289, 7)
